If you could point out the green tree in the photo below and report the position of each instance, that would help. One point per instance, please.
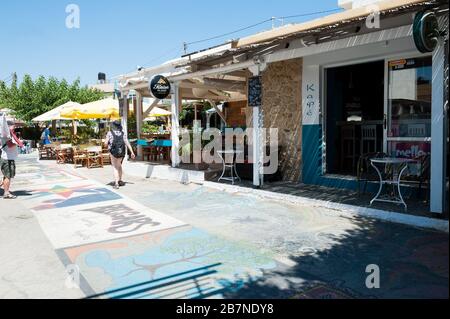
(30, 99)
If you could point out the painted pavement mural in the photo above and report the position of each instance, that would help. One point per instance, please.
(126, 250)
(123, 249)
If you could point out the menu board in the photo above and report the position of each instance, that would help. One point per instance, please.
(121, 107)
(255, 91)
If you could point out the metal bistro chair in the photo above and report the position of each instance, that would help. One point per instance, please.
(420, 175)
(366, 172)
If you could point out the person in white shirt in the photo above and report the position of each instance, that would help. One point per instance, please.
(7, 162)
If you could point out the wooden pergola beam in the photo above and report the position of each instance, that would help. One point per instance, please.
(222, 116)
(152, 106)
(214, 84)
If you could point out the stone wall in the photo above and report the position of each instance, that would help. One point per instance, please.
(282, 107)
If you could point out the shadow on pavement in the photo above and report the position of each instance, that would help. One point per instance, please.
(413, 263)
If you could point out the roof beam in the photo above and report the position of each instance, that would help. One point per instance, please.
(212, 71)
(214, 84)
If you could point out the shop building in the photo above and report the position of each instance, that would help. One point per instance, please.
(336, 88)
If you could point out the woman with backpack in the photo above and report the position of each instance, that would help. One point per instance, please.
(117, 143)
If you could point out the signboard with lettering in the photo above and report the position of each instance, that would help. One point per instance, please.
(255, 91)
(409, 149)
(121, 107)
(159, 87)
(311, 95)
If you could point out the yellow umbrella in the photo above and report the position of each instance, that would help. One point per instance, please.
(157, 112)
(102, 109)
(55, 114)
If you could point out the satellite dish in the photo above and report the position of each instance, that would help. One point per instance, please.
(426, 31)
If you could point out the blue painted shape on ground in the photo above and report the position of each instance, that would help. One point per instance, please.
(179, 266)
(94, 195)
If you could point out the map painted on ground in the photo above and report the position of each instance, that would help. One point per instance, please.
(176, 263)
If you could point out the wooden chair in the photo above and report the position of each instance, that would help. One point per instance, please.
(43, 153)
(61, 156)
(69, 156)
(163, 149)
(369, 141)
(94, 157)
(51, 152)
(150, 152)
(348, 148)
(106, 156)
(79, 157)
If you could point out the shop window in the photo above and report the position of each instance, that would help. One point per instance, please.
(409, 107)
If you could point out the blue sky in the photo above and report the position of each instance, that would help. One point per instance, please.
(116, 36)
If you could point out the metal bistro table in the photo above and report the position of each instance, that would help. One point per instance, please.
(397, 164)
(231, 166)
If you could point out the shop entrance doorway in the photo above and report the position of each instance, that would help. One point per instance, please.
(354, 115)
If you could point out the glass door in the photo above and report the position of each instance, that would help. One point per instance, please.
(408, 116)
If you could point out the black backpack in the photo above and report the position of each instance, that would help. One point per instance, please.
(118, 148)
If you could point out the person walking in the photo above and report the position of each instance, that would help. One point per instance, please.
(9, 152)
(117, 143)
(45, 136)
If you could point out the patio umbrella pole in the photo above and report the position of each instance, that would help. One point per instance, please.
(75, 128)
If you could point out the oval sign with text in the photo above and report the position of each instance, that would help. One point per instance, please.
(159, 87)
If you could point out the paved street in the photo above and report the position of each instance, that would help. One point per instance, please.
(160, 239)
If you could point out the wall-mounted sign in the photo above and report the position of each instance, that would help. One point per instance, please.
(426, 31)
(159, 87)
(121, 107)
(255, 91)
(311, 95)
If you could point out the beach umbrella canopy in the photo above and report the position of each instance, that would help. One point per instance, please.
(5, 134)
(55, 114)
(157, 112)
(102, 109)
